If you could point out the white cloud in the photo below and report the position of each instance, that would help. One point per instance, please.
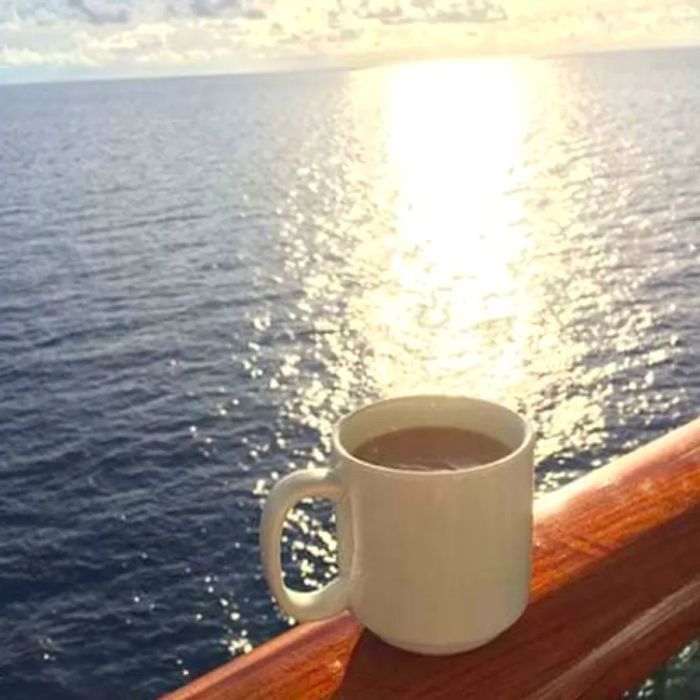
(153, 36)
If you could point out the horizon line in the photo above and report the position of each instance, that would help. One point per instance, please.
(358, 63)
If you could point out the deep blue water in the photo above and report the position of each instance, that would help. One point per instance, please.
(198, 276)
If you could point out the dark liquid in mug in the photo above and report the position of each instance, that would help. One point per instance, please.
(431, 448)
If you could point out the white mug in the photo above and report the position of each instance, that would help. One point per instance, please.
(434, 562)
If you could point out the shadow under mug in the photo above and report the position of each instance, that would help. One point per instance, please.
(434, 562)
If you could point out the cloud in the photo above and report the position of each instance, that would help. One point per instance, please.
(100, 12)
(432, 12)
(213, 8)
(144, 36)
(29, 57)
(349, 34)
(383, 12)
(254, 13)
(217, 8)
(472, 12)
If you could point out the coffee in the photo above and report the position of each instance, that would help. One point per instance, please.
(431, 448)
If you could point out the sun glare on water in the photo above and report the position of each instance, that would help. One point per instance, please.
(450, 298)
(467, 257)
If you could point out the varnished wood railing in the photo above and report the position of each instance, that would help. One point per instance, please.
(615, 591)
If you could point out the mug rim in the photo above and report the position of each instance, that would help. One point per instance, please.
(525, 443)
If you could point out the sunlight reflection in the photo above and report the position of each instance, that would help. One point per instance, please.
(468, 254)
(454, 132)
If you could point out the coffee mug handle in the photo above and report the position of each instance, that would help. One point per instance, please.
(303, 606)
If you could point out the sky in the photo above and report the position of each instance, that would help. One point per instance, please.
(64, 39)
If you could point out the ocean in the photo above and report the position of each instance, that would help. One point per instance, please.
(198, 276)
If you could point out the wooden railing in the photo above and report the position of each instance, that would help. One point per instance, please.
(615, 592)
